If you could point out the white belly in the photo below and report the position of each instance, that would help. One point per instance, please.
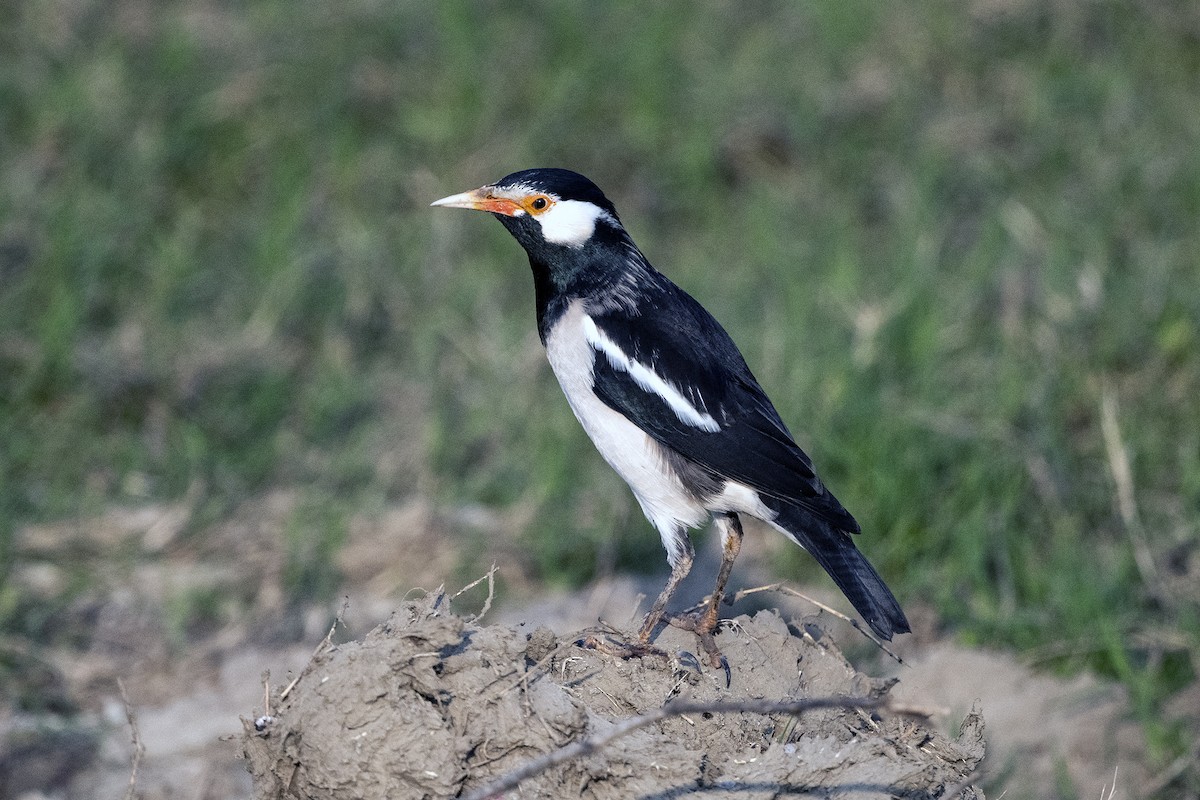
(635, 456)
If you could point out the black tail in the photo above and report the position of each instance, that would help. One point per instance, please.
(835, 551)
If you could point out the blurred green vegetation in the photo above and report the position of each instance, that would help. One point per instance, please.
(957, 243)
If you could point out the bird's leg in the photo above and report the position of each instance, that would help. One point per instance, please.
(679, 571)
(680, 567)
(731, 544)
(704, 622)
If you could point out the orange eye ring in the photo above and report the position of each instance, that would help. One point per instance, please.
(539, 203)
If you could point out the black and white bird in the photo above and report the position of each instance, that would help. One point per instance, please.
(667, 398)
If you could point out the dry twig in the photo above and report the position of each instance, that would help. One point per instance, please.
(266, 682)
(958, 788)
(785, 589)
(139, 749)
(325, 644)
(675, 708)
(490, 577)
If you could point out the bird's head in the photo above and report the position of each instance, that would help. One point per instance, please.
(547, 210)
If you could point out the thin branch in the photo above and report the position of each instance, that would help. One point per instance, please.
(958, 788)
(916, 711)
(531, 673)
(266, 682)
(265, 719)
(325, 644)
(139, 749)
(785, 589)
(675, 708)
(490, 577)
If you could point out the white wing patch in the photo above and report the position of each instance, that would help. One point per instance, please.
(648, 379)
(571, 222)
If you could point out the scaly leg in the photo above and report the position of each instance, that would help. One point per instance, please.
(642, 647)
(704, 622)
(679, 571)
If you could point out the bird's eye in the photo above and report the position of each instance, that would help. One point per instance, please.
(539, 203)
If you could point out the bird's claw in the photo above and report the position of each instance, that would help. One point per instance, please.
(728, 673)
(704, 625)
(616, 648)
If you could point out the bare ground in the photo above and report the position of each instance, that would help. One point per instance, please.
(1046, 737)
(429, 705)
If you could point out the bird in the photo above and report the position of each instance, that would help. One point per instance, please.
(669, 401)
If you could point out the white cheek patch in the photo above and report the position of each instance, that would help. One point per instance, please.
(571, 222)
(648, 379)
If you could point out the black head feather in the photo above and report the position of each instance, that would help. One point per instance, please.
(561, 272)
(564, 183)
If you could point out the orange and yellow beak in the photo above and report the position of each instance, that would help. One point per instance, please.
(481, 199)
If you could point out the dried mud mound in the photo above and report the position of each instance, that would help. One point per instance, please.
(430, 705)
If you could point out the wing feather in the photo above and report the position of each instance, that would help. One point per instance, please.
(674, 371)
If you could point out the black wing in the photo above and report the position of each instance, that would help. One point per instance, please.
(676, 339)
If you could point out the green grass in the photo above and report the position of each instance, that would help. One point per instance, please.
(942, 237)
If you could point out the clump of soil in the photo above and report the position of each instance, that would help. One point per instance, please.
(431, 705)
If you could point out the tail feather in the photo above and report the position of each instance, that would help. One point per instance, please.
(834, 550)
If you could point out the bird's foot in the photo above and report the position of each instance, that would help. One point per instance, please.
(704, 624)
(618, 648)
